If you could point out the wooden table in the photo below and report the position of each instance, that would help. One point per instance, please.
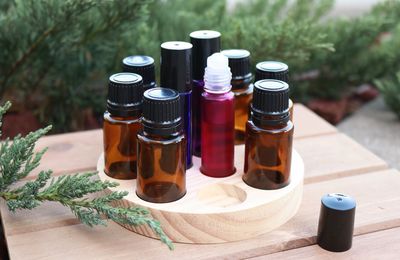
(334, 163)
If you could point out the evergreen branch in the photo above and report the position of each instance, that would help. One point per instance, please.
(78, 192)
(70, 191)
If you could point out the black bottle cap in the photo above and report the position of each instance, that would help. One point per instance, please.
(142, 65)
(176, 66)
(270, 97)
(336, 222)
(239, 62)
(125, 94)
(161, 111)
(272, 70)
(205, 43)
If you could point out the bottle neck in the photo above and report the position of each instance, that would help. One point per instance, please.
(269, 121)
(164, 136)
(124, 114)
(242, 87)
(162, 129)
(212, 89)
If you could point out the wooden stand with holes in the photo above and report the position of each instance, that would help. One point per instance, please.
(217, 210)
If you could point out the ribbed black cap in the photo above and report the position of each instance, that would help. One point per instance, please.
(176, 66)
(161, 111)
(336, 222)
(125, 94)
(272, 70)
(205, 43)
(270, 97)
(142, 65)
(239, 62)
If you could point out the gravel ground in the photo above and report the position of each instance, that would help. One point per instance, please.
(376, 128)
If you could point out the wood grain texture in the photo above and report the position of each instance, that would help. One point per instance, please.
(377, 245)
(378, 208)
(307, 123)
(70, 153)
(332, 156)
(217, 210)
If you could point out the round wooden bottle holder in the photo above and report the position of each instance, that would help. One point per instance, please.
(217, 210)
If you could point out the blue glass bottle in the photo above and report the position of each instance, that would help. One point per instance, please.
(205, 43)
(176, 73)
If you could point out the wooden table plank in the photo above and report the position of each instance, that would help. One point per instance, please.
(307, 123)
(70, 153)
(331, 156)
(377, 245)
(378, 208)
(321, 161)
(73, 152)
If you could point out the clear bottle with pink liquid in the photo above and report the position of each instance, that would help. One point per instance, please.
(217, 119)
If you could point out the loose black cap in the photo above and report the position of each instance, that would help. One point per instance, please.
(161, 111)
(239, 62)
(272, 70)
(176, 66)
(270, 97)
(142, 65)
(205, 43)
(336, 222)
(125, 93)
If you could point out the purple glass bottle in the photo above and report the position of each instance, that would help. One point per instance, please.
(205, 43)
(176, 73)
(217, 119)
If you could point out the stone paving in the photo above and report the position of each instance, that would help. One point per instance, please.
(377, 128)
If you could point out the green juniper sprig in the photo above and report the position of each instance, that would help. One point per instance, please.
(18, 159)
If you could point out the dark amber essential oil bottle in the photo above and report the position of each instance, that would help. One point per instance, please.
(269, 137)
(242, 88)
(142, 65)
(121, 125)
(274, 70)
(161, 148)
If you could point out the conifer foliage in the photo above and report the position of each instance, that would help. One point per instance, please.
(56, 54)
(83, 194)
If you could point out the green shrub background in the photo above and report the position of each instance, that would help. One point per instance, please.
(56, 55)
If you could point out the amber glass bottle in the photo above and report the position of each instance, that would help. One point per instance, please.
(269, 135)
(274, 70)
(161, 148)
(242, 88)
(121, 124)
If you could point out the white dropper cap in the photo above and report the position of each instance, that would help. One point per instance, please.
(217, 76)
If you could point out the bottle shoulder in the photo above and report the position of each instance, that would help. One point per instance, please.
(164, 140)
(279, 129)
(247, 90)
(120, 120)
(218, 96)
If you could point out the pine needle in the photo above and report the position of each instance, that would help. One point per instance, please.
(18, 159)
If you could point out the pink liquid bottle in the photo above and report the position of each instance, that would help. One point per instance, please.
(217, 119)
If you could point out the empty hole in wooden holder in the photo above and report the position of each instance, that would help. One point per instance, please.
(222, 195)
